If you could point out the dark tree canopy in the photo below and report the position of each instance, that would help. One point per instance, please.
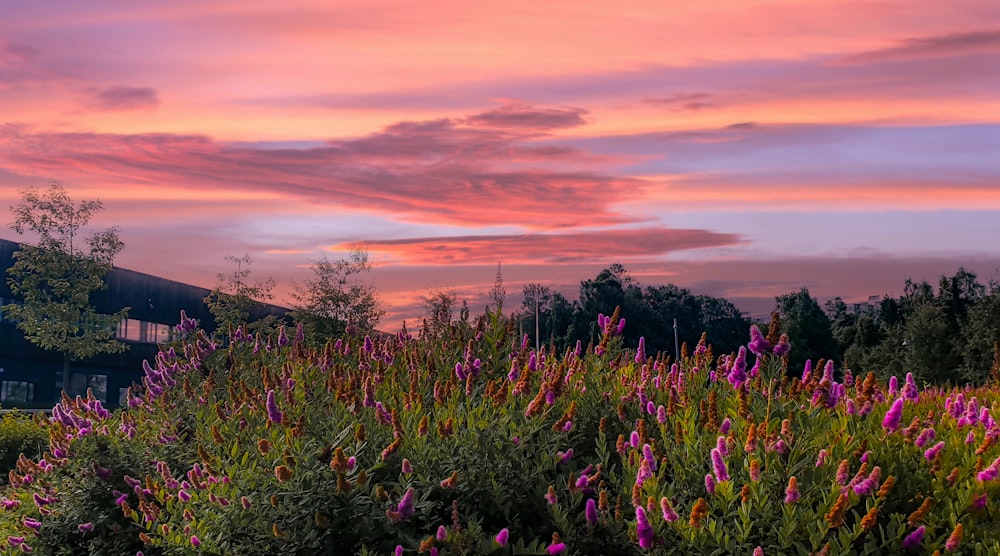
(55, 277)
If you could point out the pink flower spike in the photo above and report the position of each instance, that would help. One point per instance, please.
(502, 537)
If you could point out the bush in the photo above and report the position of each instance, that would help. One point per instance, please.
(20, 433)
(471, 443)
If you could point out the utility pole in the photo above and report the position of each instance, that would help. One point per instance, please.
(677, 346)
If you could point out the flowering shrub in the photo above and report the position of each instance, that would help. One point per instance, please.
(472, 443)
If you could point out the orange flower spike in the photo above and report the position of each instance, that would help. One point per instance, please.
(284, 474)
(917, 517)
(870, 519)
(835, 517)
(698, 513)
(886, 487)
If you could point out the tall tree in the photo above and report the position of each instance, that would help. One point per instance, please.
(239, 293)
(336, 299)
(56, 276)
(807, 326)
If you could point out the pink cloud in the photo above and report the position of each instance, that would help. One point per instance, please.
(440, 170)
(566, 247)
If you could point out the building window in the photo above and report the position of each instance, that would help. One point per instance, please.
(97, 383)
(134, 330)
(17, 391)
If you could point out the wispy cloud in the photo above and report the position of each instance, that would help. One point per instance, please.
(562, 248)
(122, 97)
(932, 46)
(442, 170)
(524, 116)
(683, 101)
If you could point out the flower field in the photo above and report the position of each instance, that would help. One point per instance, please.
(469, 442)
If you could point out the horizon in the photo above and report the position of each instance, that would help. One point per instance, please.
(738, 150)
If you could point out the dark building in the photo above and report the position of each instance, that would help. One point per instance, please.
(31, 377)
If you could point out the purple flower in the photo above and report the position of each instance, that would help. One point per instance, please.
(442, 533)
(910, 391)
(565, 457)
(926, 435)
(893, 385)
(621, 326)
(933, 451)
(273, 413)
(792, 491)
(893, 416)
(633, 439)
(758, 551)
(85, 527)
(710, 484)
(914, 539)
(644, 473)
(719, 465)
(647, 453)
(32, 523)
(399, 550)
(758, 344)
(556, 548)
(405, 507)
(643, 529)
(669, 514)
(661, 415)
(640, 352)
(821, 458)
(502, 537)
(591, 511)
(738, 375)
(726, 425)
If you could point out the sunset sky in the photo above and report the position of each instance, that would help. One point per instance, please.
(738, 148)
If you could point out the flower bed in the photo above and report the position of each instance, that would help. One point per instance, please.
(469, 442)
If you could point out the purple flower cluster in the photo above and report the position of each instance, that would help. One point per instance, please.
(758, 344)
(643, 528)
(893, 416)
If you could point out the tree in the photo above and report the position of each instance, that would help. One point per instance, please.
(440, 305)
(335, 300)
(56, 276)
(498, 293)
(237, 295)
(807, 326)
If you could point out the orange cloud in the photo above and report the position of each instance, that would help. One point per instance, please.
(562, 248)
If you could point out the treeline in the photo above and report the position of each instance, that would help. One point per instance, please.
(648, 311)
(943, 335)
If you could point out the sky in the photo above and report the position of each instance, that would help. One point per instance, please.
(742, 149)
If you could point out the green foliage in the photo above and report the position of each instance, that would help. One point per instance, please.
(335, 300)
(444, 441)
(55, 277)
(20, 434)
(804, 320)
(942, 337)
(237, 295)
(651, 312)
